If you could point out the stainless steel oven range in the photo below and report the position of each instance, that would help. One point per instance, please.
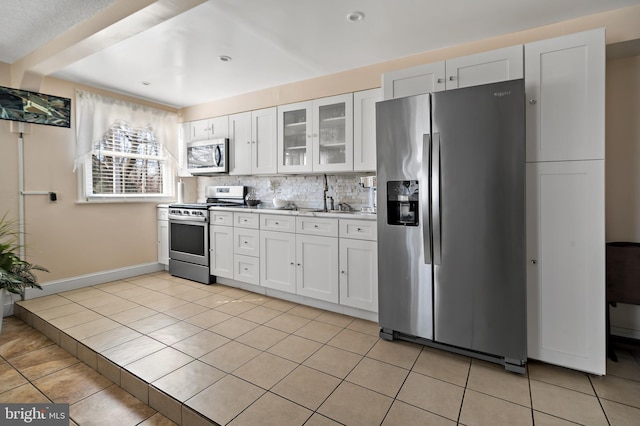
(189, 242)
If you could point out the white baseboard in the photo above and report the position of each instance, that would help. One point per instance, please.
(73, 283)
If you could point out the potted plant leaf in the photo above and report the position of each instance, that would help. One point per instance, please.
(16, 274)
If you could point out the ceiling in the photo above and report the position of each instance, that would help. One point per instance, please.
(170, 54)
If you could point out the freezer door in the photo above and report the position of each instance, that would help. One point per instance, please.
(404, 268)
(479, 218)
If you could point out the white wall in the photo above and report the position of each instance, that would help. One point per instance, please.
(623, 171)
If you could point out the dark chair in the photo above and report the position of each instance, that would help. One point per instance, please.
(622, 278)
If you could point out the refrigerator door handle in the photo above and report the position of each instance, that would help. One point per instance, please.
(424, 200)
(435, 198)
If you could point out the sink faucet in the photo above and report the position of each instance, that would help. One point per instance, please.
(324, 193)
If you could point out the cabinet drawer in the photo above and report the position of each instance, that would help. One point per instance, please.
(359, 229)
(163, 213)
(317, 226)
(246, 269)
(276, 222)
(246, 220)
(246, 241)
(221, 218)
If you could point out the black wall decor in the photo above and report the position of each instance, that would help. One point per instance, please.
(32, 107)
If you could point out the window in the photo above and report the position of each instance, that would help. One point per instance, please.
(123, 150)
(128, 161)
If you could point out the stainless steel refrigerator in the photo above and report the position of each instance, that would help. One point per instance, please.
(451, 221)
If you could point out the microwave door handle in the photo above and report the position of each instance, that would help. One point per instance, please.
(218, 155)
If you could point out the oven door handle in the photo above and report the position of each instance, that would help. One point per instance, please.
(181, 219)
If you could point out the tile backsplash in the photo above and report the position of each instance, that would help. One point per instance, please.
(303, 190)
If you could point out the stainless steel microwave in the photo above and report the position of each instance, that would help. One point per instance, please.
(206, 157)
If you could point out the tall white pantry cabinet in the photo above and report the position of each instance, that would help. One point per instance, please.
(565, 87)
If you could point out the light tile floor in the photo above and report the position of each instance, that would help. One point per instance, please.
(157, 349)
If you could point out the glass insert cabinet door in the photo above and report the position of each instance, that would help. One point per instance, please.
(316, 135)
(333, 133)
(296, 131)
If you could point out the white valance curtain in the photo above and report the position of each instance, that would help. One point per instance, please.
(95, 114)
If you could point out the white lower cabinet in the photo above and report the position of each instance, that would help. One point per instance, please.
(246, 248)
(302, 264)
(565, 272)
(317, 267)
(359, 274)
(221, 251)
(277, 263)
(163, 235)
(246, 269)
(322, 258)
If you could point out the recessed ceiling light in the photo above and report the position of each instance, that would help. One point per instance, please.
(355, 16)
(224, 58)
(146, 83)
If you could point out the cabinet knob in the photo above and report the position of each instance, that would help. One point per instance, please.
(298, 264)
(451, 78)
(532, 101)
(534, 262)
(440, 80)
(249, 142)
(315, 135)
(342, 272)
(246, 242)
(291, 263)
(359, 229)
(253, 141)
(277, 223)
(315, 226)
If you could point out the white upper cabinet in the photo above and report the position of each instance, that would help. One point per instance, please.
(481, 68)
(210, 128)
(416, 80)
(364, 129)
(565, 94)
(316, 135)
(484, 68)
(253, 137)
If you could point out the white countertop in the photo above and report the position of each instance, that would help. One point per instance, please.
(300, 212)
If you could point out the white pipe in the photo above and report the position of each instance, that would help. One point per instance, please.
(21, 219)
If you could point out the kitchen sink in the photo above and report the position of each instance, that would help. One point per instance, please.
(303, 210)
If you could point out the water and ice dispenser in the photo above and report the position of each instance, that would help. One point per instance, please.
(403, 199)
